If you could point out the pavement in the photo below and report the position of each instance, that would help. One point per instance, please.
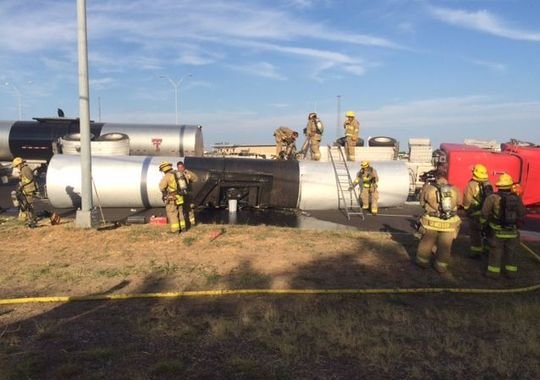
(400, 219)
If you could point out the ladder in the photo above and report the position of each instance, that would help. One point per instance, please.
(347, 199)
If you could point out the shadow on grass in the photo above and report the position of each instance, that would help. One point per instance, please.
(281, 337)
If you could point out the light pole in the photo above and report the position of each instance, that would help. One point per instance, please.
(176, 86)
(338, 133)
(19, 97)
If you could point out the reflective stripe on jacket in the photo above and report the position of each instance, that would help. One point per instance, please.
(437, 224)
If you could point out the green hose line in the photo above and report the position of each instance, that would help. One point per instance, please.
(226, 292)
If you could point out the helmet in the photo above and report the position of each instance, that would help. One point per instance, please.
(480, 173)
(312, 114)
(364, 164)
(350, 114)
(505, 181)
(17, 161)
(164, 165)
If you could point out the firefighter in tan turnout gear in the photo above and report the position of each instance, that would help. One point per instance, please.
(285, 142)
(352, 129)
(314, 131)
(504, 211)
(476, 192)
(368, 180)
(184, 179)
(439, 225)
(23, 196)
(171, 196)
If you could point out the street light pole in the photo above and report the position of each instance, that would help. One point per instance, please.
(338, 134)
(176, 86)
(19, 97)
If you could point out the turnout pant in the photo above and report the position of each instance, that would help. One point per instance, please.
(350, 145)
(315, 143)
(475, 232)
(442, 241)
(365, 196)
(173, 215)
(502, 251)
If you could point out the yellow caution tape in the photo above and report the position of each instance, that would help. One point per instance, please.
(226, 292)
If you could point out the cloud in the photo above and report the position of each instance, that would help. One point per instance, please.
(493, 66)
(261, 69)
(483, 21)
(102, 83)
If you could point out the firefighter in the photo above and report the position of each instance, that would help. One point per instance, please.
(352, 129)
(285, 139)
(476, 192)
(368, 179)
(25, 192)
(314, 131)
(184, 179)
(171, 196)
(439, 225)
(504, 211)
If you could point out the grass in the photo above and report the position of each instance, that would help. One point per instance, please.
(247, 337)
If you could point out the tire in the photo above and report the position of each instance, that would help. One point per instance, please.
(382, 141)
(342, 140)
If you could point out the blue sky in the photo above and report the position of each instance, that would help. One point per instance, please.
(445, 69)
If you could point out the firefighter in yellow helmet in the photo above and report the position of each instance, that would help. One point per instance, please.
(285, 142)
(25, 192)
(171, 196)
(185, 178)
(439, 224)
(504, 211)
(476, 192)
(352, 130)
(368, 179)
(314, 131)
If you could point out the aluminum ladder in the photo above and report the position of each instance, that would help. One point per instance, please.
(348, 200)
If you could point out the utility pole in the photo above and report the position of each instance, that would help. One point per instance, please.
(99, 108)
(338, 134)
(83, 217)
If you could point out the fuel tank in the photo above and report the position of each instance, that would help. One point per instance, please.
(132, 181)
(38, 139)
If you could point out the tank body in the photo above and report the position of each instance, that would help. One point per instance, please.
(132, 181)
(39, 139)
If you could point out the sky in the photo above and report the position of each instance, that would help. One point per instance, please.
(442, 69)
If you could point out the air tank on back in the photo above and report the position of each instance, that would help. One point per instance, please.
(38, 139)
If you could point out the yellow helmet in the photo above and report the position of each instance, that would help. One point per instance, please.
(164, 165)
(364, 164)
(350, 114)
(17, 161)
(480, 173)
(505, 181)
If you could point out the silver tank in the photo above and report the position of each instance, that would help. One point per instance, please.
(318, 189)
(5, 128)
(132, 181)
(160, 139)
(121, 181)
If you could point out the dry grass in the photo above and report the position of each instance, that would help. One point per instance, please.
(272, 337)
